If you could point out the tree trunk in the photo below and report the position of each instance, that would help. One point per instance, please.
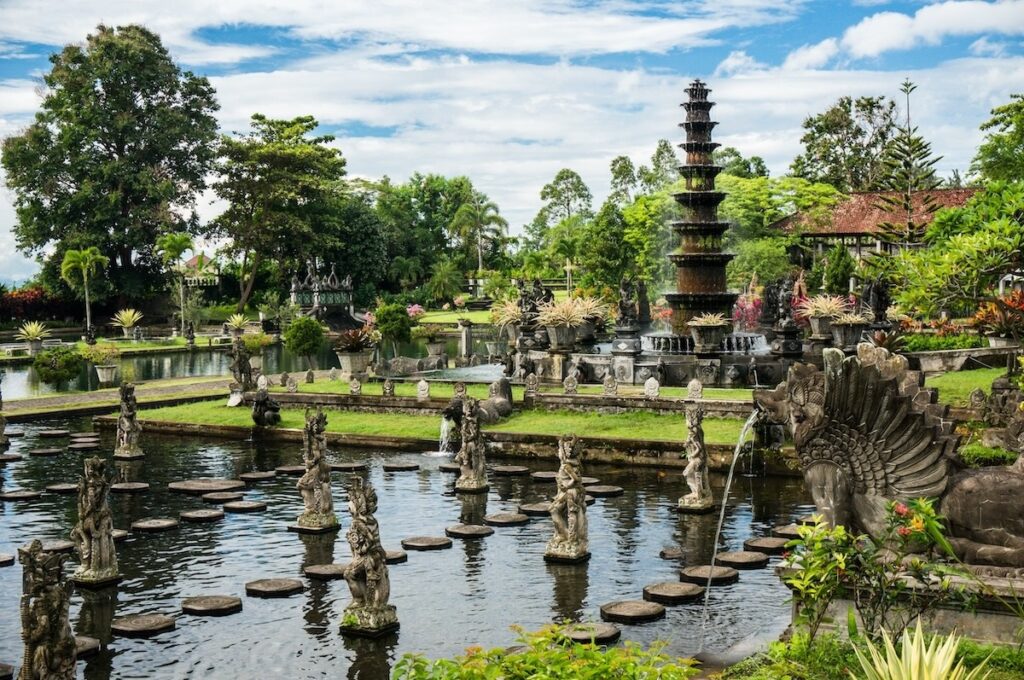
(247, 289)
(181, 297)
(479, 255)
(88, 311)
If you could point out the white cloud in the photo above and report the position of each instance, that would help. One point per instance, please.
(811, 56)
(738, 61)
(983, 47)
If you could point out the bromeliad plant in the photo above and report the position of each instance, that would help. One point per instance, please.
(560, 313)
(592, 308)
(237, 322)
(916, 659)
(354, 341)
(831, 306)
(709, 319)
(32, 331)
(127, 319)
(428, 331)
(506, 313)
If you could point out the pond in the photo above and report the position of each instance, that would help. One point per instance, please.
(446, 600)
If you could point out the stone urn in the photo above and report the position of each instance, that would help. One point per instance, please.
(562, 337)
(847, 335)
(586, 334)
(353, 364)
(1000, 341)
(35, 347)
(435, 349)
(107, 373)
(707, 338)
(821, 327)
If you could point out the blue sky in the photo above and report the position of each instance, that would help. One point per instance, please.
(507, 92)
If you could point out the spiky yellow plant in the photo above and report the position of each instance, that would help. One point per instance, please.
(916, 660)
(127, 318)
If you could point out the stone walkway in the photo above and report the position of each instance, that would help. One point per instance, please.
(144, 392)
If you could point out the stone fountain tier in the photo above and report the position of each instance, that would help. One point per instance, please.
(734, 343)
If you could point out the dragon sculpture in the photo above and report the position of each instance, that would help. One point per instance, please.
(865, 436)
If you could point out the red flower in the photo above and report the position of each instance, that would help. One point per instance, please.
(903, 531)
(901, 510)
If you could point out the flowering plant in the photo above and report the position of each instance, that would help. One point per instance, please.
(415, 311)
(747, 311)
(661, 315)
(459, 301)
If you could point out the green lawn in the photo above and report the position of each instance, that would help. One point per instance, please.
(482, 316)
(955, 388)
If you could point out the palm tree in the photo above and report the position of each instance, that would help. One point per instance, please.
(78, 266)
(445, 280)
(406, 270)
(171, 247)
(477, 221)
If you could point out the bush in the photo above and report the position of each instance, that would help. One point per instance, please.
(827, 658)
(58, 365)
(393, 322)
(977, 455)
(837, 273)
(933, 343)
(304, 337)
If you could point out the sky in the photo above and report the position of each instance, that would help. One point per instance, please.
(508, 92)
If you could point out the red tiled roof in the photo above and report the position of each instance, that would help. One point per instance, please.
(860, 213)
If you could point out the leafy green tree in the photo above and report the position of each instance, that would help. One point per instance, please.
(839, 267)
(663, 170)
(407, 271)
(604, 255)
(393, 322)
(753, 205)
(171, 247)
(78, 267)
(445, 280)
(1001, 154)
(767, 257)
(116, 155)
(566, 196)
(843, 145)
(624, 179)
(275, 180)
(58, 365)
(304, 337)
(477, 222)
(733, 163)
(650, 237)
(350, 234)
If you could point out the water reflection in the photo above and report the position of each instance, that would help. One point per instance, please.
(570, 582)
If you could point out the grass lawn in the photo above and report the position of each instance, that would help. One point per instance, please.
(482, 316)
(955, 388)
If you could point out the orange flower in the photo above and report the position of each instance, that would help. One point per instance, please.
(917, 524)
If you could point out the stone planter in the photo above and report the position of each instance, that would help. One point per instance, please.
(107, 373)
(847, 335)
(512, 333)
(561, 337)
(821, 327)
(708, 339)
(435, 349)
(586, 334)
(35, 347)
(353, 364)
(127, 332)
(1000, 341)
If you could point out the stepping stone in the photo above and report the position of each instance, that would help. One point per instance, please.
(42, 453)
(401, 467)
(426, 543)
(198, 487)
(201, 515)
(6, 560)
(769, 545)
(222, 496)
(53, 434)
(22, 495)
(632, 611)
(9, 458)
(788, 531)
(595, 633)
(211, 605)
(15, 435)
(671, 554)
(83, 446)
(58, 545)
(506, 519)
(86, 646)
(604, 490)
(245, 506)
(274, 587)
(262, 476)
(742, 559)
(290, 470)
(589, 481)
(541, 509)
(468, 531)
(589, 500)
(511, 470)
(325, 572)
(155, 524)
(395, 556)
(672, 592)
(129, 487)
(141, 625)
(84, 435)
(720, 575)
(63, 488)
(544, 477)
(453, 468)
(349, 467)
(119, 535)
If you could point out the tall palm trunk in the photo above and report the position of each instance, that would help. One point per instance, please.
(88, 310)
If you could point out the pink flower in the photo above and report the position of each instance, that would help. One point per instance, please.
(415, 311)
(901, 509)
(903, 531)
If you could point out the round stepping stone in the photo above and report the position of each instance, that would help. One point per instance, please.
(154, 524)
(83, 446)
(15, 435)
(43, 453)
(604, 490)
(468, 531)
(274, 587)
(632, 611)
(222, 496)
(672, 592)
(325, 572)
(119, 535)
(506, 519)
(53, 434)
(401, 467)
(84, 435)
(86, 646)
(58, 545)
(349, 467)
(768, 545)
(198, 487)
(141, 625)
(22, 495)
(720, 575)
(588, 481)
(290, 470)
(6, 560)
(589, 500)
(453, 468)
(211, 605)
(245, 506)
(9, 458)
(788, 531)
(129, 487)
(426, 543)
(201, 515)
(536, 509)
(671, 554)
(511, 470)
(544, 477)
(742, 559)
(395, 556)
(63, 488)
(251, 477)
(596, 632)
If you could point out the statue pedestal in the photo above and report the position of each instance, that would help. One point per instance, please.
(302, 529)
(787, 343)
(566, 555)
(315, 523)
(369, 623)
(471, 486)
(696, 507)
(627, 341)
(89, 581)
(129, 454)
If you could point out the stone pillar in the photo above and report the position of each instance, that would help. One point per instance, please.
(465, 338)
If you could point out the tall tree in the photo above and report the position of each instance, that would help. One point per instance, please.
(605, 256)
(78, 267)
(565, 197)
(843, 145)
(116, 155)
(664, 168)
(350, 234)
(275, 180)
(478, 222)
(754, 204)
(1001, 154)
(733, 163)
(171, 247)
(624, 179)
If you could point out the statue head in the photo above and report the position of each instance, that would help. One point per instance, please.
(798, 403)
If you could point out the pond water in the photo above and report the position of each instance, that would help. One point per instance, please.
(447, 600)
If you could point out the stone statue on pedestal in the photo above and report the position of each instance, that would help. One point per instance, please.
(45, 625)
(471, 456)
(4, 440)
(569, 508)
(369, 613)
(627, 304)
(266, 412)
(696, 472)
(128, 426)
(94, 532)
(241, 370)
(610, 384)
(315, 484)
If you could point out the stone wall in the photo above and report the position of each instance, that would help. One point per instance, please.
(716, 408)
(364, 403)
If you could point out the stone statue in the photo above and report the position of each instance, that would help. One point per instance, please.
(262, 382)
(785, 301)
(627, 304)
(93, 533)
(45, 626)
(315, 484)
(422, 390)
(333, 374)
(284, 379)
(310, 377)
(90, 335)
(569, 507)
(128, 426)
(570, 384)
(510, 364)
(532, 384)
(696, 472)
(241, 370)
(643, 304)
(388, 389)
(652, 388)
(266, 412)
(190, 334)
(459, 390)
(695, 389)
(472, 454)
(610, 384)
(355, 388)
(292, 386)
(875, 295)
(770, 304)
(864, 439)
(369, 613)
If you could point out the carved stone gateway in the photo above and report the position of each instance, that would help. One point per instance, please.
(696, 472)
(863, 440)
(569, 508)
(315, 484)
(45, 625)
(93, 534)
(128, 427)
(369, 614)
(471, 456)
